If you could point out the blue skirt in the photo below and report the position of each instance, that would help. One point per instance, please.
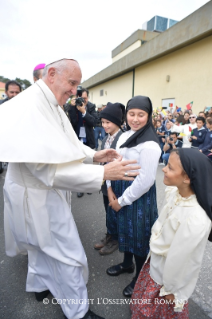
(133, 223)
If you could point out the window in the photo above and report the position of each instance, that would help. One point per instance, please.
(101, 92)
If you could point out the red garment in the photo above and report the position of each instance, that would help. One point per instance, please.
(146, 302)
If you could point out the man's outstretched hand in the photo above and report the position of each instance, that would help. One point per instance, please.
(121, 170)
(106, 156)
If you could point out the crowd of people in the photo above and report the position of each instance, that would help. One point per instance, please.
(183, 129)
(52, 153)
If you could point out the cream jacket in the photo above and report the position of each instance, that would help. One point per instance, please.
(177, 245)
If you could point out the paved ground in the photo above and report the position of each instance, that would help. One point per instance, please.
(89, 214)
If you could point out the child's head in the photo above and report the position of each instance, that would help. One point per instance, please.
(158, 123)
(168, 125)
(174, 174)
(186, 116)
(200, 122)
(184, 170)
(139, 112)
(112, 117)
(202, 114)
(209, 123)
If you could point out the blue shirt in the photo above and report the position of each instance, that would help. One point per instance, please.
(207, 144)
(200, 134)
(160, 129)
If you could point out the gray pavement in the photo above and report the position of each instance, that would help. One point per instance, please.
(89, 215)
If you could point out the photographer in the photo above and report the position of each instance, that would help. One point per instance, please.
(171, 143)
(99, 132)
(83, 118)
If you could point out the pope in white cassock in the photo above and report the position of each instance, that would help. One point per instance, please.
(46, 163)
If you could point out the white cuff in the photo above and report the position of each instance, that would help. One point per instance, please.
(123, 201)
(84, 114)
(179, 303)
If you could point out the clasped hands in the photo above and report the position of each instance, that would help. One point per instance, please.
(113, 201)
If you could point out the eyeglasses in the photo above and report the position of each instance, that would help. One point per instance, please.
(192, 117)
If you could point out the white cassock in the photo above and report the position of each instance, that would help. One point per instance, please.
(46, 163)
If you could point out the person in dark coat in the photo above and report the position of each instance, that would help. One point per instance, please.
(83, 119)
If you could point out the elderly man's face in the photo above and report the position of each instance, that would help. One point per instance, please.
(65, 83)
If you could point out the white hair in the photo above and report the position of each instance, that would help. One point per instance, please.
(60, 66)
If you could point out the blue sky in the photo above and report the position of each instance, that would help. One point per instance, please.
(37, 31)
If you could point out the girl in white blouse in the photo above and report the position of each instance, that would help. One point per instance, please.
(135, 202)
(178, 239)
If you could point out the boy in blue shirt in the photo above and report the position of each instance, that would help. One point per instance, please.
(207, 144)
(198, 135)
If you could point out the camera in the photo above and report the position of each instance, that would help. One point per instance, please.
(171, 139)
(79, 99)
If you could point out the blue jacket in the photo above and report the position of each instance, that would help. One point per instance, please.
(207, 144)
(200, 134)
(178, 144)
(160, 129)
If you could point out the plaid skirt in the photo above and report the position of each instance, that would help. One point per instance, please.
(133, 222)
(146, 302)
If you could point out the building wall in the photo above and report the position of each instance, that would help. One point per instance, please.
(2, 91)
(116, 90)
(190, 71)
(131, 48)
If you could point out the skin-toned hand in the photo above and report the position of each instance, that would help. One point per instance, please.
(170, 297)
(116, 170)
(194, 137)
(200, 151)
(105, 156)
(115, 205)
(111, 195)
(170, 141)
(81, 108)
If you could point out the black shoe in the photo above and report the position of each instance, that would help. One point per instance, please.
(127, 292)
(41, 295)
(89, 193)
(80, 194)
(119, 269)
(91, 315)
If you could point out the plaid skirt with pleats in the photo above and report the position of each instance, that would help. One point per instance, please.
(133, 222)
(146, 302)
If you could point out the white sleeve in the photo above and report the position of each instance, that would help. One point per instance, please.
(108, 183)
(184, 259)
(74, 176)
(177, 129)
(89, 153)
(148, 161)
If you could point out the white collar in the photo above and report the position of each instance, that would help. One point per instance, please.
(48, 92)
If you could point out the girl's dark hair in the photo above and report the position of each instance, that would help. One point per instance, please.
(180, 119)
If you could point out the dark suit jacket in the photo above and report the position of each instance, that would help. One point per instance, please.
(89, 121)
(5, 100)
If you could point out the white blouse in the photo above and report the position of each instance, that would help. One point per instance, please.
(177, 244)
(147, 155)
